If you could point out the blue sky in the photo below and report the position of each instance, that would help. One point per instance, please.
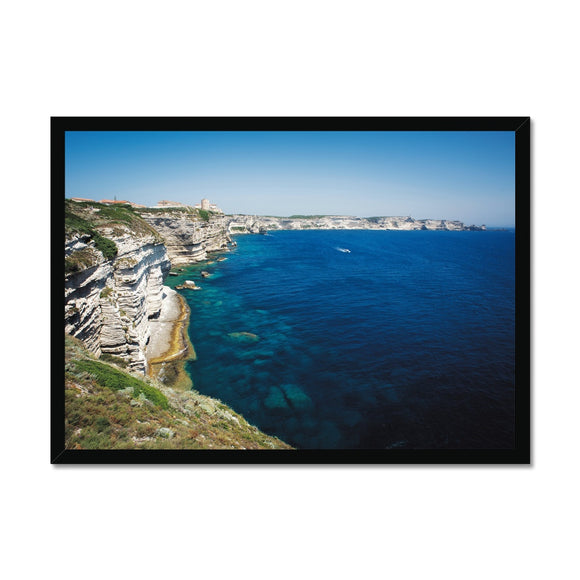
(469, 176)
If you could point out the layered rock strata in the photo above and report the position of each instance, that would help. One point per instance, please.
(109, 303)
(187, 238)
(112, 304)
(261, 224)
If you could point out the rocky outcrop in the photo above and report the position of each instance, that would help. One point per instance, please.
(261, 224)
(188, 285)
(188, 238)
(116, 260)
(108, 303)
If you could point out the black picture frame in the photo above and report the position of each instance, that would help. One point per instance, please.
(520, 454)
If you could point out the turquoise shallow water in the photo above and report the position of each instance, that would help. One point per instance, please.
(405, 341)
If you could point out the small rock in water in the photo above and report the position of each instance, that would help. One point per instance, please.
(244, 337)
(275, 399)
(297, 397)
(188, 285)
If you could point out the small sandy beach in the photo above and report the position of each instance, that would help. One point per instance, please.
(173, 312)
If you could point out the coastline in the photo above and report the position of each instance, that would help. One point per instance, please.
(169, 346)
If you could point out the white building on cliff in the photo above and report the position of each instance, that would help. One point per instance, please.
(206, 205)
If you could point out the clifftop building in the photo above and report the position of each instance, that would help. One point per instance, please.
(207, 206)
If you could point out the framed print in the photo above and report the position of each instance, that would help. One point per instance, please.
(291, 290)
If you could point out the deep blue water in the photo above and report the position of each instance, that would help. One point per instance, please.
(405, 342)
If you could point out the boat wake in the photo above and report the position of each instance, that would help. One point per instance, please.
(345, 250)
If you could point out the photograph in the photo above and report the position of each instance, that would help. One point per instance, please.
(319, 287)
(291, 290)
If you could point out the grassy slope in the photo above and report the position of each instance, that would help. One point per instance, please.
(92, 218)
(198, 214)
(107, 408)
(80, 215)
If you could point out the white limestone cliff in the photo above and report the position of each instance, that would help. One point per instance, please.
(256, 224)
(187, 237)
(109, 303)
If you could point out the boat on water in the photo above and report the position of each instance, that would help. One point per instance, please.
(344, 250)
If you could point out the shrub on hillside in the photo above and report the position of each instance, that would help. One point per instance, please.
(110, 358)
(106, 246)
(118, 380)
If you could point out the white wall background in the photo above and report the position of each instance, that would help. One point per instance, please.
(287, 58)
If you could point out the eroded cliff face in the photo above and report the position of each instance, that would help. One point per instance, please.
(256, 224)
(187, 237)
(116, 260)
(108, 303)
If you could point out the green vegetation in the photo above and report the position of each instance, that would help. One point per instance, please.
(74, 223)
(238, 229)
(94, 213)
(88, 217)
(107, 247)
(106, 408)
(160, 210)
(117, 360)
(106, 292)
(377, 219)
(203, 214)
(79, 260)
(117, 213)
(127, 214)
(114, 379)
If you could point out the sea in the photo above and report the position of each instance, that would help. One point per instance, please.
(361, 339)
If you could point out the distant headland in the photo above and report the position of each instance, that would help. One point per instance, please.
(246, 223)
